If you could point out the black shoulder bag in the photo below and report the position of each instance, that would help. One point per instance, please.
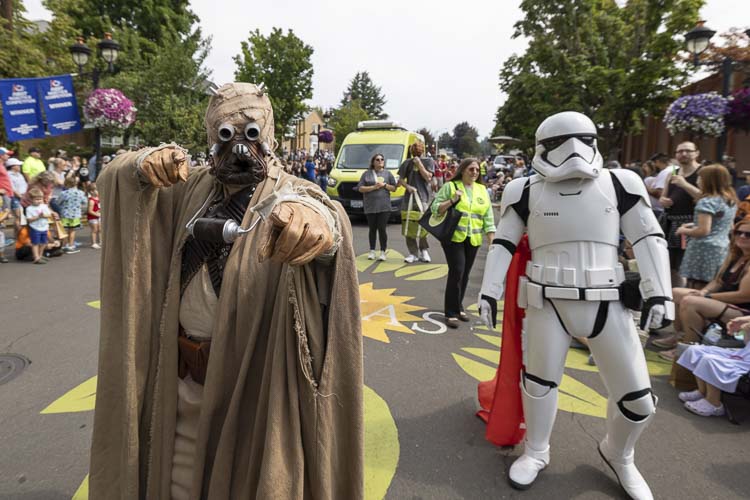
(443, 226)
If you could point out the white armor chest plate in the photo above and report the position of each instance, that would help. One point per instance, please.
(574, 232)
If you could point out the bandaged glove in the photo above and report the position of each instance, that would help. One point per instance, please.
(488, 311)
(165, 166)
(295, 234)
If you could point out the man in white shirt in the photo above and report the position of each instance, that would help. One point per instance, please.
(655, 188)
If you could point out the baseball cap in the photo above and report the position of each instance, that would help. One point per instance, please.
(12, 162)
(6, 151)
(35, 150)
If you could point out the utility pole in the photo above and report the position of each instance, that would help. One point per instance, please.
(7, 12)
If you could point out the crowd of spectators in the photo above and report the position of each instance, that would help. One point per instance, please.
(314, 167)
(48, 202)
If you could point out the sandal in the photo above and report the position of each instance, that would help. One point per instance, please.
(669, 342)
(451, 322)
(669, 355)
(463, 317)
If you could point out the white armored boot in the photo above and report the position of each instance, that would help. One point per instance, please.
(617, 447)
(539, 413)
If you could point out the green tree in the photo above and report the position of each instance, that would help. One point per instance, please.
(282, 62)
(344, 120)
(156, 22)
(170, 95)
(429, 139)
(614, 63)
(369, 95)
(445, 141)
(465, 140)
(27, 52)
(159, 67)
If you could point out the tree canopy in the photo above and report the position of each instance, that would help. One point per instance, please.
(282, 62)
(464, 140)
(429, 139)
(613, 63)
(361, 88)
(344, 120)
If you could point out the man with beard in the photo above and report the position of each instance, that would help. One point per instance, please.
(220, 373)
(678, 199)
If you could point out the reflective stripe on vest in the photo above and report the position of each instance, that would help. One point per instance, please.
(472, 215)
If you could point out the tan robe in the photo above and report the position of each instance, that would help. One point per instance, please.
(282, 405)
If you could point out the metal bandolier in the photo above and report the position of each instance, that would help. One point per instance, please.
(213, 251)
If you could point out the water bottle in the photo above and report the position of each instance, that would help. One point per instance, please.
(713, 333)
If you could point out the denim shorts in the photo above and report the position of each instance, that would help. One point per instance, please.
(15, 203)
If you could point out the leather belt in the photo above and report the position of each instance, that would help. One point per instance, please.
(193, 357)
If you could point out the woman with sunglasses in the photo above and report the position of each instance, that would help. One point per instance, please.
(469, 197)
(726, 297)
(708, 241)
(376, 185)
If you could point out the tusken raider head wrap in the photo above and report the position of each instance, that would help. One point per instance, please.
(240, 129)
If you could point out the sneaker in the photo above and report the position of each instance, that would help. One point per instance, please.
(3, 260)
(690, 396)
(705, 409)
(425, 256)
(371, 255)
(591, 361)
(96, 246)
(411, 259)
(70, 250)
(382, 256)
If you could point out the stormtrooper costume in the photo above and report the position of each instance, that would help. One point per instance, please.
(574, 211)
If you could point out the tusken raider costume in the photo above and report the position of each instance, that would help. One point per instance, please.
(230, 360)
(573, 211)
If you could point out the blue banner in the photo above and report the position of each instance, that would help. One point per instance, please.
(60, 107)
(21, 114)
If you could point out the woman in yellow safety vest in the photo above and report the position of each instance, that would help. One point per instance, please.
(471, 199)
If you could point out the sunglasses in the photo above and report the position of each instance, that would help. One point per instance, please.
(744, 234)
(379, 159)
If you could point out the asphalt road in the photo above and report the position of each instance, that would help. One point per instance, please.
(423, 438)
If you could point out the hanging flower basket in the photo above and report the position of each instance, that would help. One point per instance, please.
(109, 109)
(325, 136)
(701, 114)
(739, 110)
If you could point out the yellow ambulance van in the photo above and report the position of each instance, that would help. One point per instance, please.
(385, 137)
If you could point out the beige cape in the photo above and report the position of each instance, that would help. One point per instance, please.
(282, 405)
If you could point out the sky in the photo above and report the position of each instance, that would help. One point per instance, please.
(436, 62)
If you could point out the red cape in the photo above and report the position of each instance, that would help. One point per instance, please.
(500, 398)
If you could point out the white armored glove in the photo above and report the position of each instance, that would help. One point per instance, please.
(488, 310)
(657, 312)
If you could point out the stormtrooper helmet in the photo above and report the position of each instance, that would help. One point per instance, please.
(566, 148)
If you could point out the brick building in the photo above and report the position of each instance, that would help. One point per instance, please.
(655, 136)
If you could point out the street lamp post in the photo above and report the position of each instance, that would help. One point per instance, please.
(696, 42)
(108, 51)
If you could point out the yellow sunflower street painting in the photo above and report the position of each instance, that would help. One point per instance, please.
(381, 311)
(382, 447)
(396, 265)
(381, 436)
(574, 397)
